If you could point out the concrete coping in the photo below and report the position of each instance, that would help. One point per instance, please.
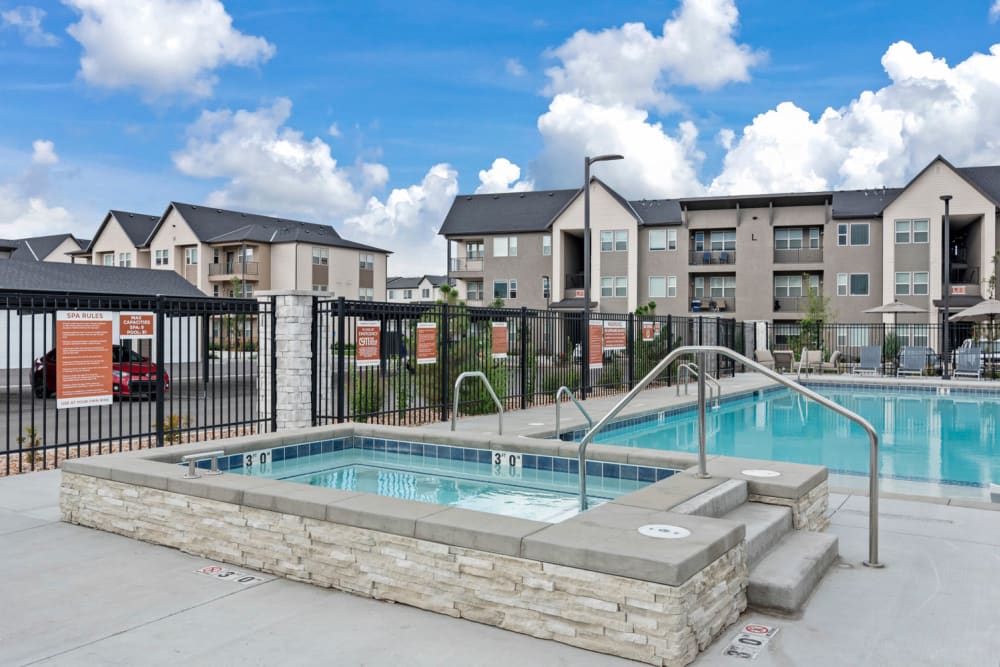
(603, 539)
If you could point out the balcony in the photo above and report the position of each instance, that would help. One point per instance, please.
(713, 305)
(967, 289)
(466, 265)
(798, 255)
(574, 281)
(709, 257)
(230, 270)
(791, 304)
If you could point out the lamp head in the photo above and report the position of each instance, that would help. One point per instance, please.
(945, 198)
(603, 158)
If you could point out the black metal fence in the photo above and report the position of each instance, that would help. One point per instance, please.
(526, 355)
(198, 378)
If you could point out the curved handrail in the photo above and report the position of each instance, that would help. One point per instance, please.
(489, 388)
(692, 367)
(566, 390)
(702, 465)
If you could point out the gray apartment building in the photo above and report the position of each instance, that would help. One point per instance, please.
(752, 257)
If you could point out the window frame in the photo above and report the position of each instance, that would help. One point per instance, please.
(496, 292)
(546, 245)
(926, 232)
(903, 229)
(621, 287)
(657, 234)
(671, 240)
(474, 295)
(925, 282)
(607, 240)
(621, 240)
(191, 256)
(902, 280)
(320, 256)
(868, 284)
(671, 287)
(661, 291)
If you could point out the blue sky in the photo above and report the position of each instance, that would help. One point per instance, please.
(372, 116)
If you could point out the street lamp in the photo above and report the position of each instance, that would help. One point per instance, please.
(947, 284)
(585, 347)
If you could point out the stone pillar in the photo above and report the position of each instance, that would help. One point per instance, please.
(293, 358)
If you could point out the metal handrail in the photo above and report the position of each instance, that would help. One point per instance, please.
(489, 388)
(693, 368)
(192, 462)
(566, 390)
(702, 351)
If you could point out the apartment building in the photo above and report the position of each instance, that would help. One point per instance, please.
(415, 289)
(753, 257)
(52, 248)
(233, 253)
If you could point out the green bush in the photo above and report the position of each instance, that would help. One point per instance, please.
(366, 393)
(552, 381)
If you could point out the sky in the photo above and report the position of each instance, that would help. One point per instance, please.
(373, 116)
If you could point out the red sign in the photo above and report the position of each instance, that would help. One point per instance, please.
(83, 358)
(648, 332)
(136, 325)
(579, 293)
(596, 352)
(368, 338)
(427, 333)
(614, 335)
(499, 340)
(958, 289)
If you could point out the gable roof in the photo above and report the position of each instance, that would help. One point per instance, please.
(87, 279)
(137, 226)
(862, 203)
(412, 282)
(985, 179)
(218, 225)
(658, 211)
(37, 248)
(505, 212)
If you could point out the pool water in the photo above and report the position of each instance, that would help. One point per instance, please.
(527, 493)
(925, 437)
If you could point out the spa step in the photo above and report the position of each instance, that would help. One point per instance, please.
(766, 525)
(717, 501)
(783, 580)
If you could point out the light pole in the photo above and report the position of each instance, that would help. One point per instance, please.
(585, 347)
(947, 283)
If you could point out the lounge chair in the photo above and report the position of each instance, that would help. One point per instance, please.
(871, 360)
(724, 258)
(783, 360)
(811, 360)
(969, 362)
(833, 365)
(913, 360)
(722, 305)
(764, 358)
(706, 258)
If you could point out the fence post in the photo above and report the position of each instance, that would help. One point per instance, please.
(524, 358)
(314, 361)
(444, 363)
(584, 354)
(161, 354)
(630, 350)
(341, 360)
(670, 345)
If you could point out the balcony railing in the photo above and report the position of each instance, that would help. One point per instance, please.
(706, 257)
(466, 264)
(798, 255)
(713, 304)
(233, 268)
(791, 304)
(574, 281)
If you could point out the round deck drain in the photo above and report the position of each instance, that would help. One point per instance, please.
(761, 473)
(664, 531)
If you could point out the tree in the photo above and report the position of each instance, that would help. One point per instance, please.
(817, 311)
(648, 309)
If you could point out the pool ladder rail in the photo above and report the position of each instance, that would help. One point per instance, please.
(690, 369)
(489, 388)
(569, 392)
(702, 352)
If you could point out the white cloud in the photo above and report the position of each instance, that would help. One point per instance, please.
(44, 152)
(630, 65)
(514, 67)
(995, 10)
(28, 22)
(880, 137)
(161, 47)
(502, 176)
(333, 130)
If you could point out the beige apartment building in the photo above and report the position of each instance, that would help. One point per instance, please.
(232, 253)
(752, 257)
(58, 248)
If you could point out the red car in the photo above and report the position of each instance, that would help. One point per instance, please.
(132, 375)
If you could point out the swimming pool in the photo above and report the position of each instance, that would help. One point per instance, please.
(948, 443)
(527, 486)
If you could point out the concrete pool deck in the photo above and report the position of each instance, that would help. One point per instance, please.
(79, 596)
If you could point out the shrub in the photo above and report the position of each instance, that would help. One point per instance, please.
(30, 441)
(366, 393)
(173, 426)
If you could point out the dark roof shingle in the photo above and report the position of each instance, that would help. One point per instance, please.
(87, 279)
(506, 212)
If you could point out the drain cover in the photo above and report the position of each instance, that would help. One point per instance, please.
(761, 473)
(664, 531)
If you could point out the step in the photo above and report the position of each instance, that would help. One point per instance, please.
(717, 501)
(766, 525)
(785, 577)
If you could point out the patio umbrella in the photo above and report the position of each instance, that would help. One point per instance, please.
(895, 308)
(984, 311)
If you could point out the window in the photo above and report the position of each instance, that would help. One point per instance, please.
(474, 291)
(657, 286)
(852, 336)
(614, 286)
(513, 288)
(366, 293)
(814, 237)
(698, 290)
(607, 286)
(546, 245)
(392, 294)
(920, 228)
(191, 256)
(161, 257)
(366, 262)
(407, 294)
(787, 286)
(614, 240)
(499, 289)
(814, 287)
(621, 286)
(216, 290)
(920, 282)
(726, 240)
(319, 287)
(505, 246)
(657, 239)
(855, 233)
(474, 249)
(911, 283)
(912, 231)
(699, 241)
(852, 284)
(125, 259)
(671, 239)
(842, 234)
(546, 287)
(425, 293)
(321, 256)
(109, 259)
(902, 278)
(248, 290)
(902, 234)
(912, 334)
(245, 256)
(789, 238)
(671, 287)
(722, 287)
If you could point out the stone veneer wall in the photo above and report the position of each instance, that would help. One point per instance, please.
(649, 622)
(808, 512)
(293, 347)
